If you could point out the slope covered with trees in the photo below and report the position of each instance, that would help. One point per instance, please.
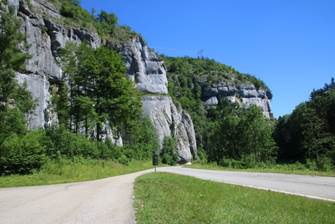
(308, 134)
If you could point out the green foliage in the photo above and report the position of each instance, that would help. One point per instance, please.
(12, 59)
(188, 76)
(72, 170)
(19, 153)
(99, 91)
(59, 98)
(169, 154)
(123, 160)
(61, 142)
(22, 154)
(106, 23)
(141, 138)
(12, 121)
(242, 134)
(309, 132)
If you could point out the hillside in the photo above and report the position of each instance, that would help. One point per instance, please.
(50, 25)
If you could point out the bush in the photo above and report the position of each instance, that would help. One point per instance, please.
(60, 140)
(169, 155)
(324, 164)
(141, 139)
(22, 155)
(124, 160)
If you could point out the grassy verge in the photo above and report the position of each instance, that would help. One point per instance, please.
(166, 198)
(288, 169)
(73, 171)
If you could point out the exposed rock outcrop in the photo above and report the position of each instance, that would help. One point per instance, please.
(46, 37)
(243, 94)
(170, 121)
(144, 66)
(149, 74)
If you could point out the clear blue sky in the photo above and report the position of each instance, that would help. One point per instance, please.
(290, 44)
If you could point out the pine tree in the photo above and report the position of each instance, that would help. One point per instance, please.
(11, 57)
(15, 100)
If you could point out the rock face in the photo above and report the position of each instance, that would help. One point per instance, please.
(243, 94)
(170, 121)
(46, 38)
(144, 66)
(149, 74)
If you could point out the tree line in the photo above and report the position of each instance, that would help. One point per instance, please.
(231, 135)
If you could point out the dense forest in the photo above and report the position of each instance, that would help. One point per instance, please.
(95, 96)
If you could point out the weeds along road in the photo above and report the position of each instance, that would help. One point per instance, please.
(110, 200)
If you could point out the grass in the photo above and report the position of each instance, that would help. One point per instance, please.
(278, 168)
(172, 199)
(73, 171)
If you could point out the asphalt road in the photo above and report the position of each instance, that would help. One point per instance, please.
(110, 200)
(308, 186)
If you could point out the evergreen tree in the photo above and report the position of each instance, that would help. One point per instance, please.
(15, 100)
(100, 93)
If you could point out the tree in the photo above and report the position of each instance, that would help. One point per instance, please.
(169, 154)
(100, 93)
(241, 134)
(15, 100)
(308, 133)
(106, 22)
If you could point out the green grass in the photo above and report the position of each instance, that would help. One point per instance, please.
(171, 199)
(279, 168)
(73, 171)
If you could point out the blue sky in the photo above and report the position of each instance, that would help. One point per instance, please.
(290, 44)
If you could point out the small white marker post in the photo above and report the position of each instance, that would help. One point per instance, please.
(155, 161)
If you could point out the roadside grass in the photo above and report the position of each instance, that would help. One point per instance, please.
(172, 199)
(64, 171)
(277, 168)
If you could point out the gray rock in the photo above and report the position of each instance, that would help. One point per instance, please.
(44, 39)
(170, 121)
(144, 66)
(245, 94)
(212, 101)
(43, 114)
(14, 4)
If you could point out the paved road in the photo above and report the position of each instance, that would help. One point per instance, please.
(110, 200)
(303, 185)
(103, 201)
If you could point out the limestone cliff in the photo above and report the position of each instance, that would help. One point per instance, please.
(149, 74)
(46, 37)
(245, 94)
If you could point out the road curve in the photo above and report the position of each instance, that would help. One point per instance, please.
(102, 201)
(110, 200)
(303, 185)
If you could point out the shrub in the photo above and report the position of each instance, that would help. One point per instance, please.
(169, 155)
(22, 155)
(60, 140)
(124, 160)
(324, 164)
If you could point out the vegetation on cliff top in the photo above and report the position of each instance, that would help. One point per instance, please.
(104, 23)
